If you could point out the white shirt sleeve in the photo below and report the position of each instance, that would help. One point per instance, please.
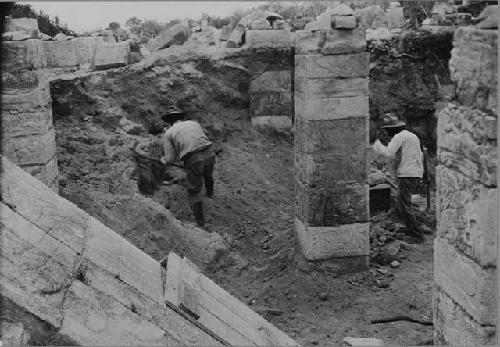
(392, 147)
(168, 149)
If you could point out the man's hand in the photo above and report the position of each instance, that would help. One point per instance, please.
(383, 136)
(163, 160)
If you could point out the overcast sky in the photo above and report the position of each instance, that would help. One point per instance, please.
(81, 16)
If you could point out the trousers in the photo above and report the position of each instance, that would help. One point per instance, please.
(406, 187)
(199, 167)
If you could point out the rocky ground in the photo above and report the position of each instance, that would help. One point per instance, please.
(251, 250)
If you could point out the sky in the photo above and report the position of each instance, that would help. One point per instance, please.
(82, 16)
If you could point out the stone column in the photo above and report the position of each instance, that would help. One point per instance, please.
(331, 137)
(28, 137)
(465, 250)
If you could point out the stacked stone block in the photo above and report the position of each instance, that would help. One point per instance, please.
(331, 137)
(465, 250)
(270, 86)
(28, 137)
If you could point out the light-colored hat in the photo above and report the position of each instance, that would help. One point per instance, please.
(390, 120)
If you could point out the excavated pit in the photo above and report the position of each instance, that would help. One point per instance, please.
(251, 250)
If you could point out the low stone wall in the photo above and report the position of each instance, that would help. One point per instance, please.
(465, 250)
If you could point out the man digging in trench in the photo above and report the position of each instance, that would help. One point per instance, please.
(185, 140)
(404, 146)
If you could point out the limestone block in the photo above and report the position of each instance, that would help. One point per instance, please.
(372, 17)
(225, 33)
(466, 142)
(27, 25)
(175, 35)
(267, 39)
(112, 55)
(276, 81)
(467, 283)
(332, 87)
(26, 100)
(333, 205)
(328, 169)
(18, 36)
(331, 135)
(330, 108)
(453, 326)
(272, 122)
(308, 42)
(395, 17)
(344, 41)
(86, 49)
(270, 103)
(60, 53)
(94, 319)
(46, 173)
(323, 22)
(343, 22)
(22, 55)
(14, 334)
(342, 10)
(35, 269)
(350, 240)
(473, 67)
(33, 149)
(260, 24)
(322, 66)
(237, 37)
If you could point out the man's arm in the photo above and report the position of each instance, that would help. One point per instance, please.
(392, 147)
(169, 154)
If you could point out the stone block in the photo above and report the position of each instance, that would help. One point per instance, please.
(26, 100)
(453, 326)
(27, 123)
(25, 79)
(27, 25)
(395, 17)
(344, 22)
(175, 35)
(344, 42)
(33, 149)
(60, 54)
(350, 240)
(328, 169)
(271, 104)
(19, 35)
(473, 67)
(86, 49)
(260, 24)
(112, 55)
(272, 122)
(92, 318)
(322, 66)
(22, 55)
(308, 42)
(310, 108)
(326, 136)
(466, 142)
(46, 173)
(276, 81)
(466, 282)
(332, 87)
(333, 205)
(14, 334)
(237, 37)
(267, 39)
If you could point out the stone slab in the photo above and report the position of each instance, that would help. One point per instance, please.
(275, 81)
(329, 169)
(112, 55)
(332, 87)
(25, 123)
(333, 205)
(60, 54)
(86, 49)
(343, 65)
(272, 122)
(473, 287)
(351, 240)
(344, 22)
(28, 25)
(270, 104)
(473, 67)
(33, 149)
(395, 17)
(267, 39)
(308, 42)
(22, 55)
(344, 42)
(318, 108)
(453, 326)
(237, 37)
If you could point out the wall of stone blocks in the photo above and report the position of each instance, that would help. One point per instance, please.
(270, 86)
(465, 249)
(28, 137)
(331, 137)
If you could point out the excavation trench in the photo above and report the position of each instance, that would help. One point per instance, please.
(252, 249)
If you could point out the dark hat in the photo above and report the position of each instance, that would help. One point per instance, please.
(172, 114)
(390, 120)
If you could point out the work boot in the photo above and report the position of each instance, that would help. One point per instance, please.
(197, 208)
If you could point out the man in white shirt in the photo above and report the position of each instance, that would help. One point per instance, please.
(404, 146)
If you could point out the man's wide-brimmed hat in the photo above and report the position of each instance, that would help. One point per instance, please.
(172, 114)
(390, 120)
